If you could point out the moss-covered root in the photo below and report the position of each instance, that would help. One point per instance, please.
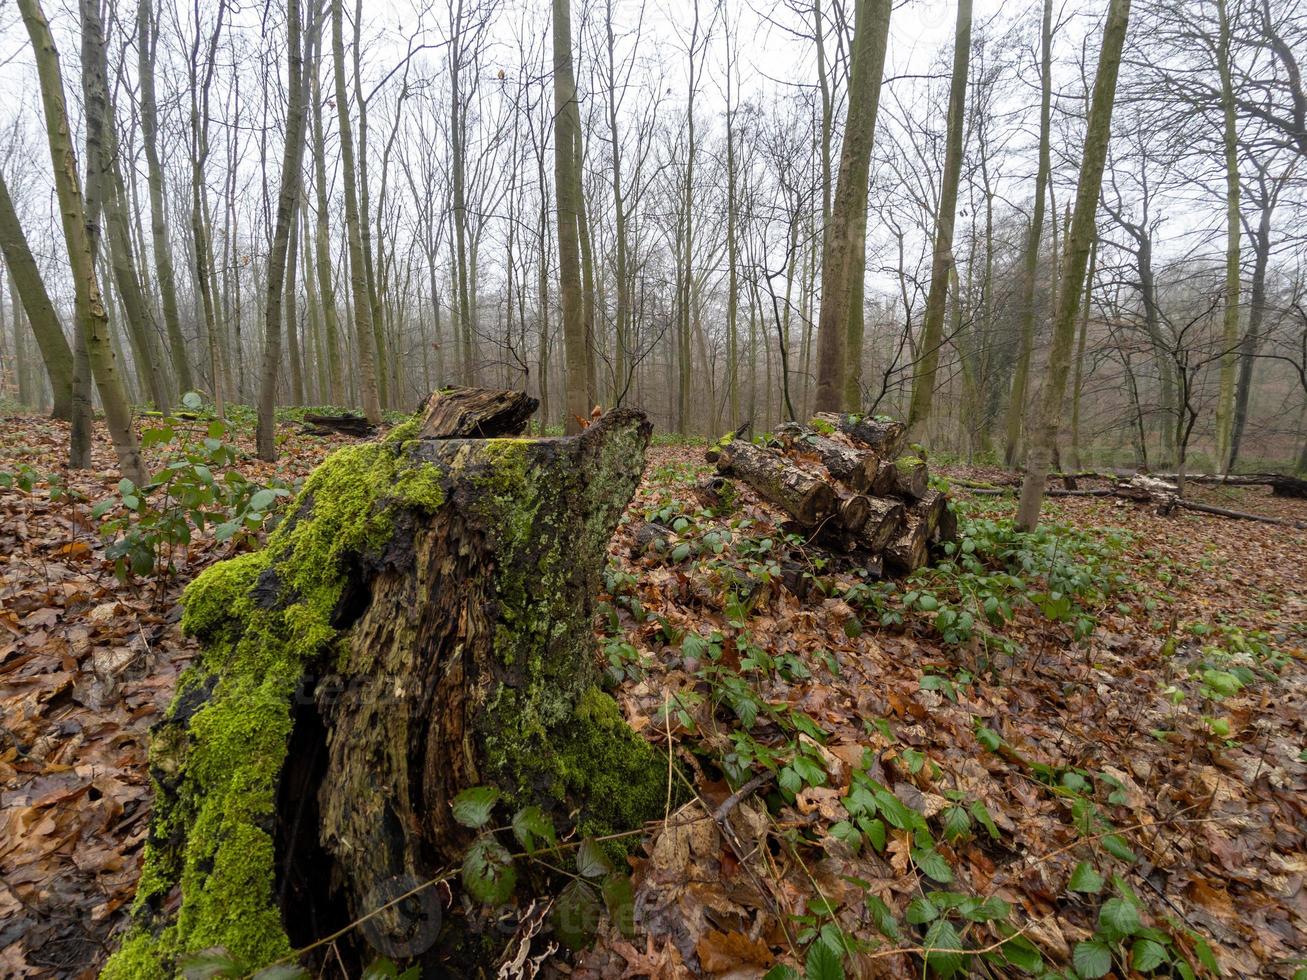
(263, 618)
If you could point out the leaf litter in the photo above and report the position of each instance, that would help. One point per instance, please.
(1022, 778)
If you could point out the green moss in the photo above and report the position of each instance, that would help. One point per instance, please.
(620, 777)
(405, 431)
(219, 764)
(551, 733)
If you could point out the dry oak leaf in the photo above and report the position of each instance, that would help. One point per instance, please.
(723, 951)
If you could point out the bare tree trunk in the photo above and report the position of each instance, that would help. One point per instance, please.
(1230, 318)
(102, 155)
(1078, 382)
(287, 201)
(1080, 238)
(1020, 379)
(843, 263)
(363, 335)
(322, 238)
(567, 186)
(1256, 316)
(932, 335)
(202, 242)
(27, 284)
(147, 38)
(91, 315)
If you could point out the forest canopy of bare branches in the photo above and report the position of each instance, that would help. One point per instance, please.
(702, 195)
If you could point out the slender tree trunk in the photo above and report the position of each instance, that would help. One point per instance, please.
(91, 316)
(843, 263)
(322, 239)
(1080, 238)
(102, 156)
(622, 309)
(147, 38)
(202, 241)
(1078, 381)
(587, 279)
(1230, 318)
(567, 186)
(287, 200)
(932, 336)
(1252, 339)
(294, 348)
(1016, 407)
(27, 285)
(363, 334)
(365, 221)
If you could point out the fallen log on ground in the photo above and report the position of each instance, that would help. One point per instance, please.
(855, 467)
(347, 424)
(885, 437)
(806, 498)
(841, 492)
(1146, 490)
(418, 625)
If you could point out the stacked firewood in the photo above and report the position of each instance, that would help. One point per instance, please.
(846, 483)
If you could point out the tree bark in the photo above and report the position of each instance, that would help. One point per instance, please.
(885, 437)
(363, 335)
(91, 315)
(1020, 379)
(844, 259)
(1080, 240)
(147, 27)
(287, 202)
(932, 333)
(567, 186)
(807, 498)
(29, 287)
(419, 625)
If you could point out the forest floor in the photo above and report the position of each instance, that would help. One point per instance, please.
(1086, 746)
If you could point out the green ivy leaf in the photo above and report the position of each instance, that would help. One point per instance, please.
(1146, 955)
(576, 914)
(282, 971)
(488, 872)
(956, 823)
(1092, 959)
(210, 963)
(1119, 918)
(472, 807)
(942, 936)
(921, 910)
(883, 917)
(591, 861)
(1023, 954)
(531, 826)
(193, 401)
(1116, 846)
(823, 963)
(981, 814)
(782, 971)
(1085, 879)
(619, 899)
(932, 864)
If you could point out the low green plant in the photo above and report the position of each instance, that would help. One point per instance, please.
(198, 486)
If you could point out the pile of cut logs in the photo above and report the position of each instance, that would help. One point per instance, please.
(845, 483)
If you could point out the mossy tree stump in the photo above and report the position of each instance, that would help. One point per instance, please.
(420, 624)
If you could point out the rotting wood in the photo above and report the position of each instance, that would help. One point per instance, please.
(420, 624)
